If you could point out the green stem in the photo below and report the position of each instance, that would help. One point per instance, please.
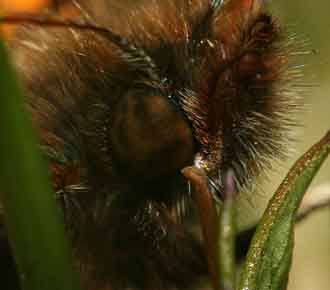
(227, 232)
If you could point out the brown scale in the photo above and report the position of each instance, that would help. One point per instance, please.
(128, 97)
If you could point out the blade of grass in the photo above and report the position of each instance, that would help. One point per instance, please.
(33, 221)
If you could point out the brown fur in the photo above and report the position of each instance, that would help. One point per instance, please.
(219, 68)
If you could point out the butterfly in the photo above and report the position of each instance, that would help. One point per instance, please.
(125, 96)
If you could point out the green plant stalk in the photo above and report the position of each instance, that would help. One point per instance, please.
(227, 232)
(33, 221)
(269, 257)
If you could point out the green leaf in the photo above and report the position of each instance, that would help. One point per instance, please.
(269, 258)
(33, 221)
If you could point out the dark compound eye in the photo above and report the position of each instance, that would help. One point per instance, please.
(149, 136)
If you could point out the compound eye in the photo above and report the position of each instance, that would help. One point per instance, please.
(150, 137)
